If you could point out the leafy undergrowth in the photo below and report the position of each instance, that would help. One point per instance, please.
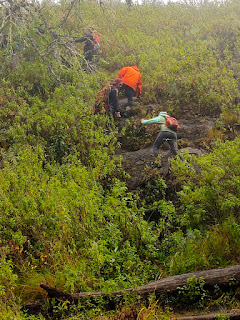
(67, 216)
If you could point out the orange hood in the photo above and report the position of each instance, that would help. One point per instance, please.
(131, 76)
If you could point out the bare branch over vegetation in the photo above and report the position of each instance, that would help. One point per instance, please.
(24, 24)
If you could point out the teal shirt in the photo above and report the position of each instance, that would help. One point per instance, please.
(161, 120)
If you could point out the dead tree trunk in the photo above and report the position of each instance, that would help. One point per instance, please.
(213, 316)
(224, 277)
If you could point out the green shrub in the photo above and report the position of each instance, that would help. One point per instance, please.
(193, 293)
(215, 248)
(211, 191)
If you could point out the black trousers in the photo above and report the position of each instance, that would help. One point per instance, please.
(129, 93)
(171, 139)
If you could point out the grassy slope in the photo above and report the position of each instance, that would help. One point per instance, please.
(66, 217)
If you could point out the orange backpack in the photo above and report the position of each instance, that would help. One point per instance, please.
(172, 123)
(96, 38)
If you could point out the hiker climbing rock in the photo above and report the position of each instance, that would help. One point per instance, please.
(91, 46)
(108, 100)
(132, 83)
(113, 107)
(169, 127)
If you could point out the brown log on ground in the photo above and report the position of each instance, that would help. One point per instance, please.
(33, 307)
(213, 316)
(223, 277)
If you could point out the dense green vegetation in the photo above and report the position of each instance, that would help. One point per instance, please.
(67, 217)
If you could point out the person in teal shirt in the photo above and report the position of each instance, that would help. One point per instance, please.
(166, 134)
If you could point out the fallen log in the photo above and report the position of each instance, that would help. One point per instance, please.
(213, 316)
(224, 277)
(34, 307)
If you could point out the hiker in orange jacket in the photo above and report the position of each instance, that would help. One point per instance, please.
(132, 82)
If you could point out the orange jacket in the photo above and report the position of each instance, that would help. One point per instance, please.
(131, 76)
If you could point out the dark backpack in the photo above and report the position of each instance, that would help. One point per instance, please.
(172, 123)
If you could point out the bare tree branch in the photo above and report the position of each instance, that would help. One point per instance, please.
(45, 61)
(19, 18)
(68, 12)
